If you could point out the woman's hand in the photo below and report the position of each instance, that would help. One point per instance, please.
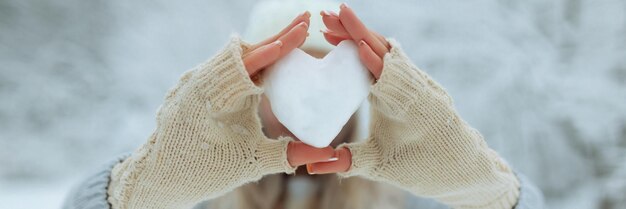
(417, 139)
(208, 139)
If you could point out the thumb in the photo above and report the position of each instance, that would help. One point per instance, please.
(299, 153)
(342, 164)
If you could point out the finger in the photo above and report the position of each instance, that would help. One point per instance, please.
(342, 164)
(370, 59)
(299, 153)
(382, 39)
(261, 57)
(332, 22)
(333, 38)
(293, 38)
(358, 31)
(265, 55)
(302, 42)
(303, 17)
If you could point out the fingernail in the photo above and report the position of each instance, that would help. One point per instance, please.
(278, 42)
(324, 13)
(303, 24)
(343, 5)
(305, 13)
(332, 159)
(362, 43)
(309, 169)
(323, 30)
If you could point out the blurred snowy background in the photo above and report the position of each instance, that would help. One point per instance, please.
(544, 81)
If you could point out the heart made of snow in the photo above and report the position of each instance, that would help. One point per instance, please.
(314, 98)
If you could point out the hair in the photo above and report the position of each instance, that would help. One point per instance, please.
(330, 193)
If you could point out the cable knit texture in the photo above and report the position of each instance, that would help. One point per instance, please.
(419, 143)
(208, 141)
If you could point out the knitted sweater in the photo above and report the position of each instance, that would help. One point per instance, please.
(208, 141)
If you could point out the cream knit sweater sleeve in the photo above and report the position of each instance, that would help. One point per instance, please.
(419, 143)
(208, 141)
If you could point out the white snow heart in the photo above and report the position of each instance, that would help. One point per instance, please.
(314, 98)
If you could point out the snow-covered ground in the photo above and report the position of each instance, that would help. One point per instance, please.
(544, 81)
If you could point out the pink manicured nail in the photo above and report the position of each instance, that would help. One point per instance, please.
(303, 13)
(309, 169)
(323, 30)
(278, 42)
(343, 5)
(325, 13)
(303, 24)
(334, 157)
(362, 43)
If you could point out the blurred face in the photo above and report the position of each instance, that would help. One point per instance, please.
(274, 129)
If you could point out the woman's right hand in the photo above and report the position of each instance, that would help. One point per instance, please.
(208, 139)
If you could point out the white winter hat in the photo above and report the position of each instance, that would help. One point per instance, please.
(269, 17)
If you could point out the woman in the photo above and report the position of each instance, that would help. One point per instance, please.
(210, 143)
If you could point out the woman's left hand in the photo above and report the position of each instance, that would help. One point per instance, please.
(417, 140)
